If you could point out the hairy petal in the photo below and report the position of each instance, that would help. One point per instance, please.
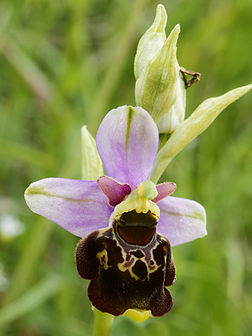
(164, 190)
(181, 220)
(114, 190)
(78, 206)
(127, 141)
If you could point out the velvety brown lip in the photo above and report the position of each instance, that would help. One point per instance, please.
(118, 284)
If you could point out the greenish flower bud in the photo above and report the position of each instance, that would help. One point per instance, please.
(176, 114)
(151, 42)
(157, 69)
(91, 167)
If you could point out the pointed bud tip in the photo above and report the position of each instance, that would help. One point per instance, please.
(169, 48)
(160, 20)
(175, 31)
(171, 40)
(161, 12)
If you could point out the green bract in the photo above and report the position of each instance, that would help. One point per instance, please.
(193, 126)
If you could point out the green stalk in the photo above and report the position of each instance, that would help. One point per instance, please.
(102, 323)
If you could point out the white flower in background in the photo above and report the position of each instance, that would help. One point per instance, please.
(10, 227)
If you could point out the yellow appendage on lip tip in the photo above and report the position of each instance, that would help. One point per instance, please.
(138, 315)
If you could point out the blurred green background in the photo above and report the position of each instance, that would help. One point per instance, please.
(67, 63)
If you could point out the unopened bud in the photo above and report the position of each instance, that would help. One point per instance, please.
(176, 114)
(157, 68)
(151, 42)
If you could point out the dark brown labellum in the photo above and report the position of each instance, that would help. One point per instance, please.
(127, 271)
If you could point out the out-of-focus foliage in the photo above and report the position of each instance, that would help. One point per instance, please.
(66, 63)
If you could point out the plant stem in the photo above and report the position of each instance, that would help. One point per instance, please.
(102, 323)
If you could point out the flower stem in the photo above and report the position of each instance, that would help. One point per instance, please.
(102, 323)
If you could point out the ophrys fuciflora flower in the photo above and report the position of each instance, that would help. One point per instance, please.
(126, 222)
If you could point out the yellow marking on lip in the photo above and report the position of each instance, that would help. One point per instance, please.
(103, 257)
(101, 232)
(154, 267)
(122, 268)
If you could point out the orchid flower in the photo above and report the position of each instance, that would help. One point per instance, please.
(127, 223)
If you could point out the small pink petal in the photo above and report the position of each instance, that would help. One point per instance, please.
(164, 189)
(114, 190)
